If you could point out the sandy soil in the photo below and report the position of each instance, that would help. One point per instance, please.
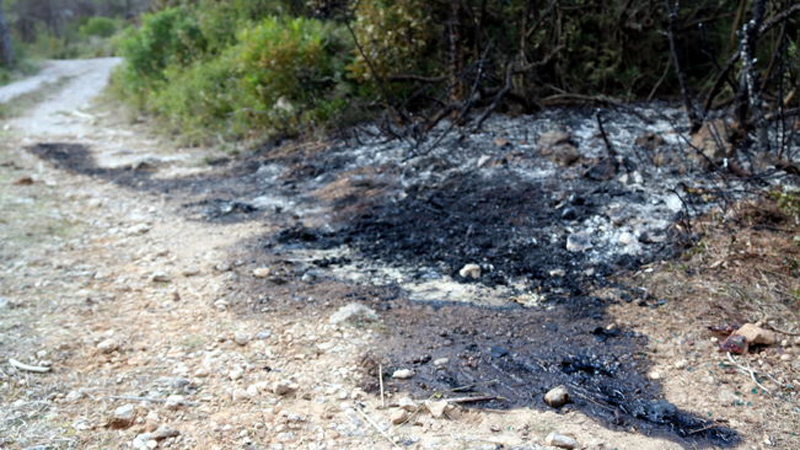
(129, 302)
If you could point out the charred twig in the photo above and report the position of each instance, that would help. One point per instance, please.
(497, 99)
(417, 78)
(612, 153)
(481, 398)
(672, 11)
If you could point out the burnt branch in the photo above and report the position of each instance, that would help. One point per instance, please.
(672, 12)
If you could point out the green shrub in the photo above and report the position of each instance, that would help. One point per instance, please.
(170, 37)
(397, 37)
(290, 69)
(102, 27)
(201, 100)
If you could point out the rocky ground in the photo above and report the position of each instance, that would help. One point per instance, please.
(135, 312)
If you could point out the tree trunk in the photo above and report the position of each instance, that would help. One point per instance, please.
(6, 52)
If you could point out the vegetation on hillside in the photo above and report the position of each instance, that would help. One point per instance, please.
(241, 68)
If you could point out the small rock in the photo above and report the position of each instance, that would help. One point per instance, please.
(437, 408)
(681, 364)
(470, 271)
(24, 181)
(141, 228)
(654, 375)
(407, 404)
(561, 441)
(240, 395)
(164, 432)
(151, 421)
(108, 345)
(398, 416)
(235, 373)
(579, 242)
(557, 397)
(252, 390)
(403, 374)
(140, 441)
(74, 396)
(241, 338)
(123, 417)
(284, 388)
(440, 361)
(4, 303)
(262, 272)
(221, 304)
(160, 277)
(501, 142)
(553, 138)
(175, 402)
(559, 273)
(353, 312)
(755, 335)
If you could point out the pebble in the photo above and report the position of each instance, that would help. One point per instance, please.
(240, 395)
(164, 432)
(561, 441)
(74, 396)
(470, 271)
(440, 361)
(4, 303)
(681, 364)
(579, 242)
(403, 374)
(407, 404)
(241, 338)
(353, 312)
(262, 272)
(160, 277)
(398, 416)
(175, 402)
(235, 373)
(557, 397)
(654, 375)
(284, 388)
(123, 417)
(108, 345)
(437, 408)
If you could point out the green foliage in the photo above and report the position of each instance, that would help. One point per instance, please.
(397, 37)
(290, 63)
(278, 76)
(788, 201)
(170, 37)
(102, 27)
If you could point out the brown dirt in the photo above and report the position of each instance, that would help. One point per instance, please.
(83, 256)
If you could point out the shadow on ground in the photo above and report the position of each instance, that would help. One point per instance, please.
(509, 356)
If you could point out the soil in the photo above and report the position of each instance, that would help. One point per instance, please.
(128, 270)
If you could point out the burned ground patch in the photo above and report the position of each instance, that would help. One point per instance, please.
(533, 225)
(515, 229)
(512, 356)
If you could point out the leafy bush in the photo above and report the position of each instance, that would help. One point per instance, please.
(396, 37)
(102, 27)
(170, 37)
(290, 62)
(279, 76)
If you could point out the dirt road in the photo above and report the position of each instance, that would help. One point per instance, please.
(157, 327)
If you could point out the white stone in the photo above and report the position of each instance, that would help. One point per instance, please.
(561, 441)
(472, 271)
(353, 312)
(403, 374)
